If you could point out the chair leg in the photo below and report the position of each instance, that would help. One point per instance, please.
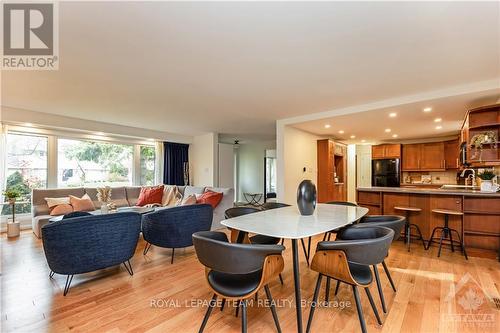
(337, 288)
(69, 278)
(281, 279)
(419, 233)
(451, 241)
(129, 267)
(372, 303)
(207, 314)
(314, 302)
(408, 236)
(327, 289)
(282, 241)
(222, 305)
(51, 274)
(389, 276)
(440, 243)
(304, 249)
(324, 237)
(237, 309)
(256, 296)
(172, 260)
(146, 248)
(329, 236)
(273, 308)
(462, 245)
(243, 316)
(359, 308)
(379, 288)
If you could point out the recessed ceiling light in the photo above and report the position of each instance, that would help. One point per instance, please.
(28, 124)
(393, 114)
(439, 127)
(353, 136)
(341, 132)
(427, 109)
(328, 126)
(394, 135)
(437, 120)
(363, 140)
(388, 130)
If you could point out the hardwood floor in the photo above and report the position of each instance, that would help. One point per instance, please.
(434, 295)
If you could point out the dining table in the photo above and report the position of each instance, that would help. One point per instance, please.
(288, 223)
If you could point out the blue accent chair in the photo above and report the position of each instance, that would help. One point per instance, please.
(88, 243)
(173, 227)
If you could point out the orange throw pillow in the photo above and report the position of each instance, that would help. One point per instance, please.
(150, 195)
(211, 198)
(83, 204)
(61, 209)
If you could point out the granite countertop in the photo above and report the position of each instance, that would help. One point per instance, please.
(418, 190)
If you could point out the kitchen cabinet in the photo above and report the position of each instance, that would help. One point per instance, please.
(424, 157)
(451, 154)
(332, 160)
(386, 151)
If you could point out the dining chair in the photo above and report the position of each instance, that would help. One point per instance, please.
(394, 222)
(237, 271)
(349, 261)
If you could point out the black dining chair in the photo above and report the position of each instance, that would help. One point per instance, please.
(237, 271)
(394, 222)
(349, 261)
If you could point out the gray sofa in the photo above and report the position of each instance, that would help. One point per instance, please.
(122, 197)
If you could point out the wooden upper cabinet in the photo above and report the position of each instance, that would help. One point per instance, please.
(432, 156)
(378, 152)
(411, 157)
(451, 154)
(386, 151)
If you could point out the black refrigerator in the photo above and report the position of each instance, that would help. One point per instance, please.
(385, 172)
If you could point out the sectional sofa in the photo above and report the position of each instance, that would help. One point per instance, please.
(122, 197)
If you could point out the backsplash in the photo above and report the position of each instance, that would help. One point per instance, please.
(438, 177)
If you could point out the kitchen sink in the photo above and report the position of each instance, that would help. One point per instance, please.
(459, 187)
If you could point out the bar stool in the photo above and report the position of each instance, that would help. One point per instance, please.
(446, 232)
(408, 225)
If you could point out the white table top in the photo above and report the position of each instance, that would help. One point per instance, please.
(288, 223)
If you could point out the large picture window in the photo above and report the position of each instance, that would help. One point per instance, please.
(26, 168)
(92, 164)
(147, 165)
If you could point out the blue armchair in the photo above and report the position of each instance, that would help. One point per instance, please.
(173, 227)
(88, 243)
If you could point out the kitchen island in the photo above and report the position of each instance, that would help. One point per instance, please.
(479, 226)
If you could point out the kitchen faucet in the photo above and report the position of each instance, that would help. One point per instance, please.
(472, 176)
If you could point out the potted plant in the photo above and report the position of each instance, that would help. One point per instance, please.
(13, 227)
(487, 184)
(478, 140)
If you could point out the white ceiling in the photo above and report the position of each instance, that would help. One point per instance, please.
(235, 68)
(410, 122)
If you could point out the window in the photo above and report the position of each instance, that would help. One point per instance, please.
(147, 165)
(26, 168)
(92, 164)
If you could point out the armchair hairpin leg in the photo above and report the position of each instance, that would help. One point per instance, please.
(379, 288)
(314, 302)
(129, 267)
(69, 278)
(209, 311)
(389, 276)
(273, 308)
(51, 274)
(172, 261)
(146, 248)
(372, 303)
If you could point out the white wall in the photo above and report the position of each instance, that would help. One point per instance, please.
(296, 150)
(351, 173)
(203, 154)
(226, 165)
(250, 165)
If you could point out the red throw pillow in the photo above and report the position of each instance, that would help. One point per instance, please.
(150, 195)
(211, 198)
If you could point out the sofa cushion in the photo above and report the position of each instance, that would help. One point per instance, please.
(118, 196)
(61, 209)
(227, 202)
(39, 205)
(188, 190)
(171, 195)
(150, 195)
(210, 197)
(83, 204)
(133, 194)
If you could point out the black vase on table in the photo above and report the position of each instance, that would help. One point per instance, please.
(306, 197)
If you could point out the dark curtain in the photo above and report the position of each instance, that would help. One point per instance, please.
(176, 156)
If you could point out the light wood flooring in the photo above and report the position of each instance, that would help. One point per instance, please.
(447, 294)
